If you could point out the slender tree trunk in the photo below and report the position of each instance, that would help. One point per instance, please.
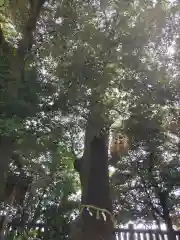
(6, 150)
(163, 197)
(2, 225)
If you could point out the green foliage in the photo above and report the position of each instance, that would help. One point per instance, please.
(80, 53)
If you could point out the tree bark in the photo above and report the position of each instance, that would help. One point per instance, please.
(16, 72)
(6, 150)
(95, 182)
(163, 197)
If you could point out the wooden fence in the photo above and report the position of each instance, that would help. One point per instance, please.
(142, 234)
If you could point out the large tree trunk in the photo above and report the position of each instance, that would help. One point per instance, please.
(15, 63)
(95, 182)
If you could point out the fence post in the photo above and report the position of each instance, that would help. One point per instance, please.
(131, 232)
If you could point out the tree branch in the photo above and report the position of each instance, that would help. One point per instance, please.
(149, 197)
(147, 193)
(27, 40)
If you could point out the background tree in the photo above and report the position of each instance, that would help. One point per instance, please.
(148, 178)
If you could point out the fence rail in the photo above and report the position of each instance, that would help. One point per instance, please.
(142, 234)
